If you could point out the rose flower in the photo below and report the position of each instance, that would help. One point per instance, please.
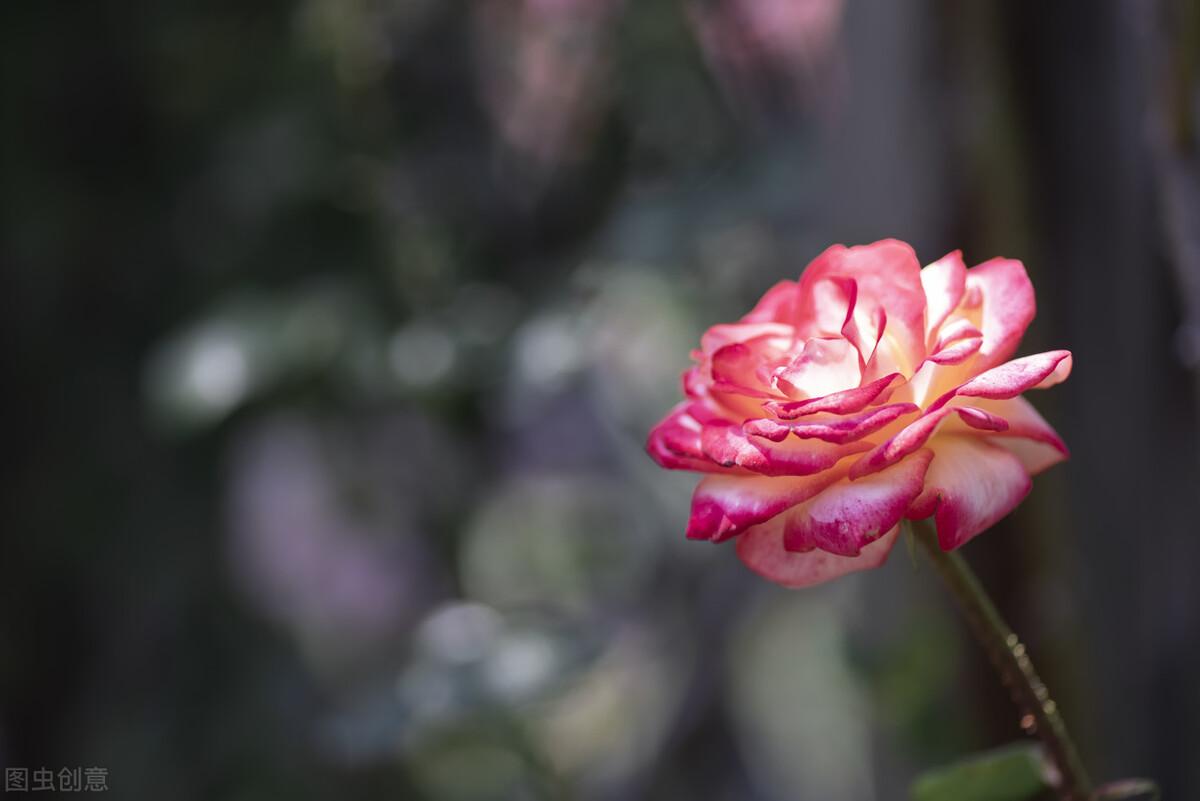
(868, 391)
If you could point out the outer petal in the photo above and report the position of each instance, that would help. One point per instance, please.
(724, 506)
(888, 277)
(1012, 378)
(1008, 306)
(675, 442)
(1028, 436)
(761, 548)
(944, 282)
(850, 515)
(970, 485)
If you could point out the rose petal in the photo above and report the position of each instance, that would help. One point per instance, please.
(723, 506)
(675, 442)
(1008, 307)
(733, 369)
(888, 278)
(864, 324)
(957, 352)
(837, 430)
(944, 282)
(761, 549)
(847, 516)
(719, 336)
(917, 433)
(958, 328)
(1060, 374)
(729, 446)
(824, 366)
(970, 485)
(1012, 378)
(844, 402)
(1028, 436)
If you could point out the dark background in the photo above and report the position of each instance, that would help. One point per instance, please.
(333, 330)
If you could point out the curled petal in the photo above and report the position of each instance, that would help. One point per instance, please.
(914, 436)
(675, 442)
(944, 282)
(959, 328)
(1060, 373)
(761, 549)
(844, 402)
(957, 352)
(847, 516)
(1012, 378)
(888, 277)
(728, 445)
(970, 485)
(724, 506)
(864, 324)
(1008, 306)
(837, 429)
(825, 305)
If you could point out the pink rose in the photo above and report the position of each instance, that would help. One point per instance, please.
(868, 391)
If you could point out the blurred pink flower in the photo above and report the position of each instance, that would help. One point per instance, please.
(541, 70)
(758, 45)
(868, 391)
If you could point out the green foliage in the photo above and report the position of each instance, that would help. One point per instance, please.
(1013, 773)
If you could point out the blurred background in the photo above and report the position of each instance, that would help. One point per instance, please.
(333, 330)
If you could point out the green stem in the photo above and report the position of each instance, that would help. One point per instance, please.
(1039, 713)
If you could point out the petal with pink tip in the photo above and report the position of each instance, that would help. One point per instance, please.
(957, 352)
(914, 436)
(944, 282)
(724, 506)
(848, 516)
(1028, 436)
(970, 485)
(1012, 378)
(675, 442)
(888, 277)
(1008, 306)
(864, 324)
(1060, 374)
(761, 549)
(729, 446)
(836, 429)
(845, 402)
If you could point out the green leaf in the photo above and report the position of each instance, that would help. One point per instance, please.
(1013, 773)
